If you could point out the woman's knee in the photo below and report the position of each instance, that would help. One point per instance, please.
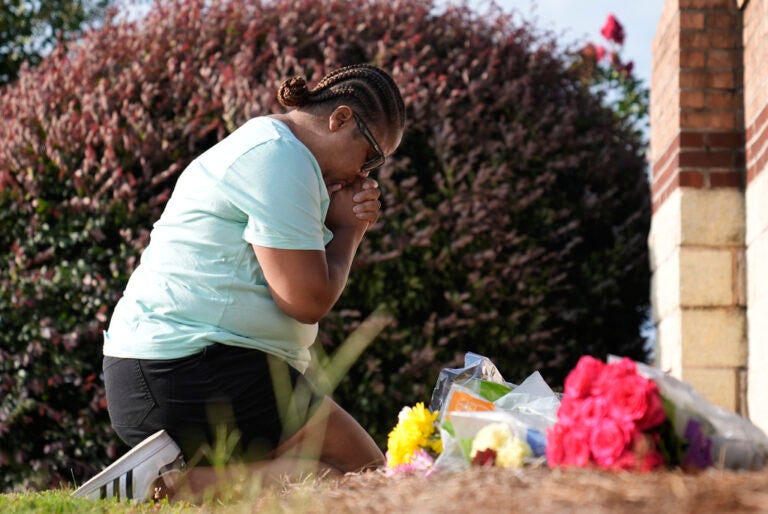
(347, 444)
(336, 438)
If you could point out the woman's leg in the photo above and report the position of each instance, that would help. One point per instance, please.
(330, 444)
(206, 483)
(241, 390)
(334, 438)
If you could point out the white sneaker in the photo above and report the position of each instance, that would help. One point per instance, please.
(133, 476)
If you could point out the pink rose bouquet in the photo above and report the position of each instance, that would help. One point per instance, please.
(611, 417)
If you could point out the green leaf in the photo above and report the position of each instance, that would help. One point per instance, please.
(492, 391)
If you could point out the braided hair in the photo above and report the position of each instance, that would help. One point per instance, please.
(369, 89)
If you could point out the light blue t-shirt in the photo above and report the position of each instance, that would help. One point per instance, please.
(199, 282)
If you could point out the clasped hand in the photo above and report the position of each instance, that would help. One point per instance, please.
(356, 205)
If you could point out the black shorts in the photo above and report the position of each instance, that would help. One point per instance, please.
(226, 400)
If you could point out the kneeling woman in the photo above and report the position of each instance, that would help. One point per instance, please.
(211, 338)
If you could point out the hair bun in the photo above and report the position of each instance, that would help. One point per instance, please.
(293, 92)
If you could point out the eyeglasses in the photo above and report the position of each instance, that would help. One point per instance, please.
(378, 160)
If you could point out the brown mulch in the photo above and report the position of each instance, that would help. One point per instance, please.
(540, 491)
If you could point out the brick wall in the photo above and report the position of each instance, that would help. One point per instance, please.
(698, 176)
(709, 233)
(697, 120)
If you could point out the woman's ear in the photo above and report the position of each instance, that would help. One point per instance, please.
(340, 116)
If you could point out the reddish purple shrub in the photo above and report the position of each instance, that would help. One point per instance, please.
(514, 224)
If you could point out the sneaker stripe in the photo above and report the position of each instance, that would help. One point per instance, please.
(131, 476)
(129, 485)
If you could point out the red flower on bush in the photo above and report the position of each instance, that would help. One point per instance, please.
(599, 52)
(606, 418)
(593, 52)
(627, 68)
(613, 30)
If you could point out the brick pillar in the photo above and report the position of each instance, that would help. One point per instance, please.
(755, 39)
(697, 231)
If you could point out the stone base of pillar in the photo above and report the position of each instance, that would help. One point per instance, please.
(698, 291)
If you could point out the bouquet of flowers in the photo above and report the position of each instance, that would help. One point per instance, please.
(473, 434)
(479, 419)
(619, 415)
(414, 442)
(624, 415)
(609, 416)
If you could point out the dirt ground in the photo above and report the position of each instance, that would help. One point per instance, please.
(540, 491)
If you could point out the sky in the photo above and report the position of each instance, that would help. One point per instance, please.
(581, 20)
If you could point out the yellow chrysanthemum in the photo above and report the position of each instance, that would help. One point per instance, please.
(436, 445)
(414, 430)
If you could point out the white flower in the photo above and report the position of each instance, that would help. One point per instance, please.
(510, 450)
(513, 454)
(492, 437)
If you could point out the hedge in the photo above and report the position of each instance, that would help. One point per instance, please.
(514, 224)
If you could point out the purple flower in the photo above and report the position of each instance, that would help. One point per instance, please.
(699, 453)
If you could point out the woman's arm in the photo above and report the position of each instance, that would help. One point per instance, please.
(305, 284)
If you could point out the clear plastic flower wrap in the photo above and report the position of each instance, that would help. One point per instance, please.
(736, 443)
(479, 405)
(475, 367)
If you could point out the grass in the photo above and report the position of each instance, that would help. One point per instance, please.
(292, 497)
(60, 501)
(295, 497)
(479, 490)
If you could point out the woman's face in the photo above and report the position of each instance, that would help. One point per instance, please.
(356, 149)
